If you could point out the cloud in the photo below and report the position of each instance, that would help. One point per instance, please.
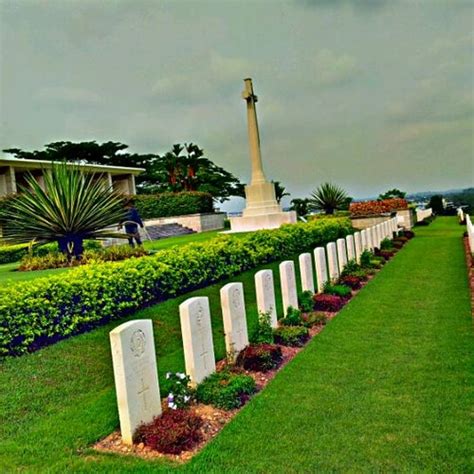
(330, 68)
(359, 5)
(67, 95)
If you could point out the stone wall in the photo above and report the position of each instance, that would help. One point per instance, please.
(196, 222)
(365, 222)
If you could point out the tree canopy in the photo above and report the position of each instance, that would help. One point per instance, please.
(183, 168)
(392, 193)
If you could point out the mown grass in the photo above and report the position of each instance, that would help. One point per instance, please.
(387, 386)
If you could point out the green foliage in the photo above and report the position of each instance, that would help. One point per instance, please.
(294, 336)
(225, 390)
(436, 204)
(292, 318)
(73, 206)
(328, 198)
(365, 258)
(337, 290)
(56, 259)
(315, 317)
(305, 301)
(263, 332)
(300, 206)
(351, 268)
(391, 194)
(280, 191)
(42, 311)
(386, 244)
(167, 204)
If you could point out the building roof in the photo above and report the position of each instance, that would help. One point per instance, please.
(40, 164)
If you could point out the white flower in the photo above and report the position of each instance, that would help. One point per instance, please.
(173, 406)
(168, 375)
(187, 398)
(181, 375)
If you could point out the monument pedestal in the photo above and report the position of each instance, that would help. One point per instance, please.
(262, 211)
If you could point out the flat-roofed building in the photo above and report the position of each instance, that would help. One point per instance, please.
(13, 172)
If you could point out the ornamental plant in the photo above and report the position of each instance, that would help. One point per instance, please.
(72, 207)
(180, 393)
(313, 318)
(338, 290)
(365, 258)
(409, 234)
(374, 208)
(330, 303)
(264, 332)
(225, 390)
(351, 281)
(260, 357)
(294, 336)
(292, 318)
(172, 432)
(305, 301)
(328, 198)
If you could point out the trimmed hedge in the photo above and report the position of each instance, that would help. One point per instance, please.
(42, 311)
(151, 206)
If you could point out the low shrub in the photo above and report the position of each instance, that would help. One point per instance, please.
(351, 281)
(167, 204)
(386, 254)
(57, 259)
(313, 318)
(260, 357)
(330, 303)
(294, 336)
(397, 245)
(225, 390)
(337, 290)
(401, 239)
(44, 310)
(172, 432)
(263, 333)
(350, 267)
(305, 301)
(293, 316)
(408, 234)
(386, 244)
(365, 258)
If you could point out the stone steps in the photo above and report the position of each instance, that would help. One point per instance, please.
(163, 231)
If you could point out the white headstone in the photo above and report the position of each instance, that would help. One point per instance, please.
(374, 237)
(198, 346)
(266, 295)
(351, 254)
(135, 374)
(321, 268)
(289, 294)
(333, 266)
(357, 246)
(306, 272)
(235, 321)
(363, 239)
(341, 253)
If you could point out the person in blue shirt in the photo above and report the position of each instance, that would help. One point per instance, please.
(131, 221)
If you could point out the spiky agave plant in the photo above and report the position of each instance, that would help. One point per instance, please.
(328, 197)
(72, 207)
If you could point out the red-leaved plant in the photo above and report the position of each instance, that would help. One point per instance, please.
(260, 357)
(332, 303)
(351, 281)
(172, 432)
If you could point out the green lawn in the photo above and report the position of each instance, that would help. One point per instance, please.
(387, 386)
(9, 273)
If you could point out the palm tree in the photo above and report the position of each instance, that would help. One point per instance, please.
(72, 207)
(328, 197)
(280, 191)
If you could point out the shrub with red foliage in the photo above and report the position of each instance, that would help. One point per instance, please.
(324, 302)
(408, 234)
(172, 432)
(260, 357)
(374, 208)
(386, 254)
(397, 244)
(351, 281)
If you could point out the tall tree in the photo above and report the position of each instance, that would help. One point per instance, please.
(392, 193)
(300, 206)
(280, 191)
(436, 204)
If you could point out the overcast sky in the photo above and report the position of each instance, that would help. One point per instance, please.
(364, 93)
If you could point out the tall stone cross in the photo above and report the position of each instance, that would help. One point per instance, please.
(258, 175)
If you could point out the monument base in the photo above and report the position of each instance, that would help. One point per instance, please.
(266, 221)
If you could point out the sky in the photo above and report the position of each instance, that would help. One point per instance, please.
(367, 94)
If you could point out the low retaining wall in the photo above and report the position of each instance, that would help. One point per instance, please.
(370, 221)
(196, 222)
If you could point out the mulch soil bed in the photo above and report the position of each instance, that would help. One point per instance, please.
(214, 419)
(470, 270)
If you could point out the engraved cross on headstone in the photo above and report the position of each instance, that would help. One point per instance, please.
(204, 352)
(142, 392)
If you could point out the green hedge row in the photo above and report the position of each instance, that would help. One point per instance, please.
(42, 311)
(152, 206)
